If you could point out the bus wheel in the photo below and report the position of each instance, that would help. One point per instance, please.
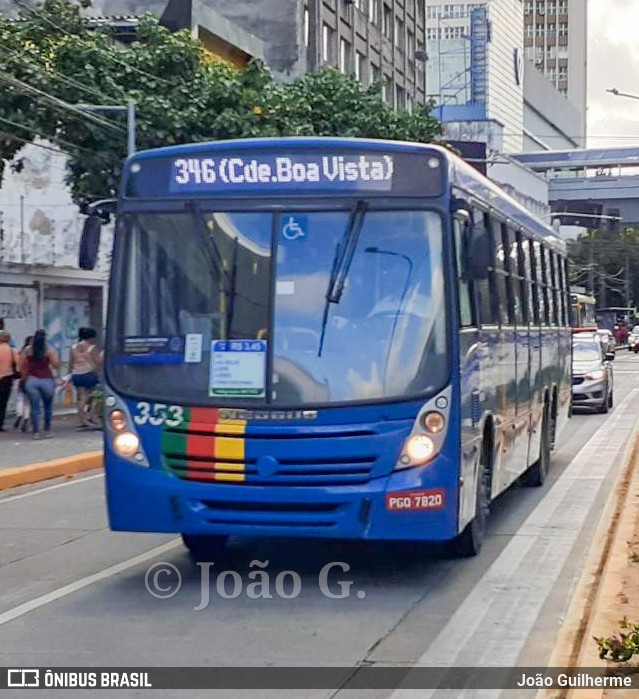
(536, 474)
(205, 547)
(469, 542)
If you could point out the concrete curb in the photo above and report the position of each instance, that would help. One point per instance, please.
(597, 588)
(56, 468)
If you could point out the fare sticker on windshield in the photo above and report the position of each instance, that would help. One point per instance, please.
(238, 368)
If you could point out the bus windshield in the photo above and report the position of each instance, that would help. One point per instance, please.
(217, 306)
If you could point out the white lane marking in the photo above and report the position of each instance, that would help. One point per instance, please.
(493, 623)
(69, 589)
(13, 498)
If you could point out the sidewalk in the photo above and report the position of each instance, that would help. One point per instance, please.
(19, 449)
(608, 590)
(25, 460)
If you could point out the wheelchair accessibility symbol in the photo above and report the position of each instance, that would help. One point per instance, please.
(294, 227)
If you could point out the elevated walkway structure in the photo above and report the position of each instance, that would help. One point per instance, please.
(593, 181)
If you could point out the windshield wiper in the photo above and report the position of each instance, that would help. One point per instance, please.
(342, 260)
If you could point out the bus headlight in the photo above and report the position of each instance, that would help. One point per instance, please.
(118, 420)
(420, 448)
(126, 444)
(433, 422)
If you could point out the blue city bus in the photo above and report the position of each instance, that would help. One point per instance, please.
(325, 337)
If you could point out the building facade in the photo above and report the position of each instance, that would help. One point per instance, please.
(223, 38)
(475, 71)
(40, 283)
(533, 66)
(555, 41)
(371, 39)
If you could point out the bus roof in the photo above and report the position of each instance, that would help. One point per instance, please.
(461, 175)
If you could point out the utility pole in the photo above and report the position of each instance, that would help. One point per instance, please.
(591, 263)
(131, 118)
(601, 301)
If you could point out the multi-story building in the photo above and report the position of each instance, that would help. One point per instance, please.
(555, 42)
(371, 39)
(474, 68)
(532, 64)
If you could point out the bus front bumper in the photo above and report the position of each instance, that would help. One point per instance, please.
(414, 504)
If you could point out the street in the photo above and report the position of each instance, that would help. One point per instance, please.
(73, 593)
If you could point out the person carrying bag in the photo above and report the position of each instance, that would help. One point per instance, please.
(9, 363)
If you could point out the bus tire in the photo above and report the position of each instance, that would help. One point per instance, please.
(536, 474)
(205, 547)
(470, 541)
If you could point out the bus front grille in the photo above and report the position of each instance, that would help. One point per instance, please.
(269, 471)
(284, 458)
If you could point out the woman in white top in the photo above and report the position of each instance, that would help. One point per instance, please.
(83, 364)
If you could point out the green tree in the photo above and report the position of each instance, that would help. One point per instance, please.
(181, 94)
(607, 263)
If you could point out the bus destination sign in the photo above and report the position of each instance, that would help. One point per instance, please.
(289, 171)
(321, 172)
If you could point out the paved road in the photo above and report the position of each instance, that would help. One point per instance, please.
(72, 593)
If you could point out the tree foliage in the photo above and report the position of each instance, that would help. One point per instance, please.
(182, 95)
(607, 263)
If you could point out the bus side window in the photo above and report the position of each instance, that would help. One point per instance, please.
(554, 282)
(486, 287)
(500, 276)
(511, 267)
(464, 291)
(524, 284)
(549, 308)
(561, 281)
(531, 272)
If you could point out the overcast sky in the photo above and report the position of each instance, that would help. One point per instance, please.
(613, 62)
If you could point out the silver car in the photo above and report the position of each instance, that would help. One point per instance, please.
(592, 378)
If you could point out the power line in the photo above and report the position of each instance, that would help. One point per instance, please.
(44, 18)
(35, 132)
(24, 141)
(59, 103)
(56, 151)
(63, 78)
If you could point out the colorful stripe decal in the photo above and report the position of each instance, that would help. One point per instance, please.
(203, 454)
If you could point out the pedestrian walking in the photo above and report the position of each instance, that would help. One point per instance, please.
(9, 365)
(38, 364)
(23, 408)
(83, 364)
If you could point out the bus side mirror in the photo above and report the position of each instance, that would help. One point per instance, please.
(90, 242)
(479, 252)
(610, 356)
